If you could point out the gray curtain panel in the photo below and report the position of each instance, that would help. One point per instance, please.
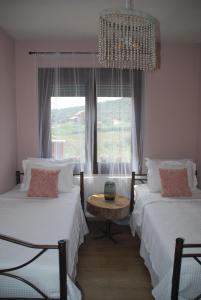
(137, 78)
(125, 83)
(46, 86)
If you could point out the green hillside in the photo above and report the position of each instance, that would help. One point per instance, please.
(117, 109)
(111, 116)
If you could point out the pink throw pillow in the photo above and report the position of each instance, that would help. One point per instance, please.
(174, 183)
(43, 183)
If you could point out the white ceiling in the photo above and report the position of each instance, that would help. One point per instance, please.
(180, 20)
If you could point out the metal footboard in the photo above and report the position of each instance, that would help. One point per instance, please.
(61, 247)
(177, 265)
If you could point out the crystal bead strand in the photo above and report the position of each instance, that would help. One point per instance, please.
(129, 39)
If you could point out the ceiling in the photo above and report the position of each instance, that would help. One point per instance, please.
(180, 20)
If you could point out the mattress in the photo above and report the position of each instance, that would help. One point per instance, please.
(161, 221)
(40, 221)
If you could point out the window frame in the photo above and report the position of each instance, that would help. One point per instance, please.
(96, 166)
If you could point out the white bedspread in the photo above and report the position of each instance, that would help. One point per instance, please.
(144, 198)
(40, 221)
(162, 220)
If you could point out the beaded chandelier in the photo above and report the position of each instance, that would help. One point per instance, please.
(129, 39)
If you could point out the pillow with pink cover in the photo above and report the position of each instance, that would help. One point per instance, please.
(43, 183)
(174, 183)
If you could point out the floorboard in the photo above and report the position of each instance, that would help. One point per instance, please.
(108, 271)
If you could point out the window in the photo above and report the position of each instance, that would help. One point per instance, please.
(68, 127)
(89, 115)
(114, 125)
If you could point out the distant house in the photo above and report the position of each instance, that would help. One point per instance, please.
(58, 148)
(78, 117)
(116, 121)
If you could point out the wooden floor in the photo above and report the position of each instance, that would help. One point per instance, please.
(108, 271)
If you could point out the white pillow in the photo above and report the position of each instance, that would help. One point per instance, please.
(53, 160)
(153, 175)
(65, 183)
(45, 161)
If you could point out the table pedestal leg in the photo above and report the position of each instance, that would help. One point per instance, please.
(107, 232)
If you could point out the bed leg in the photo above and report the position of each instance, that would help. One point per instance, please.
(62, 270)
(177, 268)
(17, 174)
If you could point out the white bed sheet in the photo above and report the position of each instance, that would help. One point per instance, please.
(157, 219)
(40, 221)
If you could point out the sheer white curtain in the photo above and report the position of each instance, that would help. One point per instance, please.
(116, 125)
(90, 114)
(117, 109)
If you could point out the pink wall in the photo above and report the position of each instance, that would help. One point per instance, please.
(173, 105)
(199, 125)
(171, 99)
(7, 113)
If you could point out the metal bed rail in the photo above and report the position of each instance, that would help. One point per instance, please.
(61, 247)
(179, 246)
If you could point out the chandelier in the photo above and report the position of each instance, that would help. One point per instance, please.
(129, 39)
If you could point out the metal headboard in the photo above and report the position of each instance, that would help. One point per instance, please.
(136, 178)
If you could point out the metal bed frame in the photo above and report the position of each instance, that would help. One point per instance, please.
(179, 246)
(136, 178)
(61, 247)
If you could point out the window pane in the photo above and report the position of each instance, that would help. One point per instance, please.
(114, 117)
(68, 128)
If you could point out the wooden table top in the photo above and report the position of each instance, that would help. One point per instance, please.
(116, 209)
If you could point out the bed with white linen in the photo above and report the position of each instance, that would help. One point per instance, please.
(144, 198)
(159, 221)
(40, 221)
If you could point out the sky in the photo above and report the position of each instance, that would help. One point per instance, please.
(64, 102)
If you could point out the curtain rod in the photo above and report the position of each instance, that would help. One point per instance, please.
(60, 52)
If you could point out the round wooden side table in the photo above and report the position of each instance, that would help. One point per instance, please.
(119, 208)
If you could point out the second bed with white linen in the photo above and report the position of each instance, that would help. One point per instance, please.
(159, 221)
